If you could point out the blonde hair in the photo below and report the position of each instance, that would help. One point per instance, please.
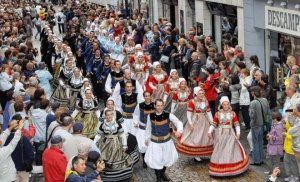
(182, 40)
(245, 71)
(290, 61)
(29, 66)
(17, 68)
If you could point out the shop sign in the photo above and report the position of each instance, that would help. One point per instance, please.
(282, 20)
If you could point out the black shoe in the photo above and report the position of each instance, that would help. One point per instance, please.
(164, 176)
(195, 160)
(158, 175)
(144, 164)
(256, 164)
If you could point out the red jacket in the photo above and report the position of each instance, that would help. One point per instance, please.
(210, 91)
(54, 165)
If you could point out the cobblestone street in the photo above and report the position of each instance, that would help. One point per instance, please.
(186, 170)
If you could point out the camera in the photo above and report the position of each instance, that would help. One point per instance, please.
(107, 164)
(216, 80)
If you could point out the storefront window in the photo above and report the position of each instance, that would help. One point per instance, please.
(289, 46)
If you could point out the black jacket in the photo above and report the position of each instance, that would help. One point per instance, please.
(16, 155)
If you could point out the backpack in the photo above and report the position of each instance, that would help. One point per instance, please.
(59, 18)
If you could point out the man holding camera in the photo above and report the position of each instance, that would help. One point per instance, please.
(23, 155)
(7, 168)
(77, 173)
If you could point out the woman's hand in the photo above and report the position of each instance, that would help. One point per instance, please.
(177, 134)
(147, 142)
(238, 136)
(210, 136)
(191, 127)
(124, 149)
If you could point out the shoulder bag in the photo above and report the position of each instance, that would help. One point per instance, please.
(43, 145)
(265, 119)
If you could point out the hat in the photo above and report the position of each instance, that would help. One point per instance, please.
(112, 15)
(128, 38)
(93, 24)
(77, 126)
(181, 80)
(86, 80)
(56, 139)
(169, 24)
(138, 46)
(55, 105)
(84, 148)
(19, 92)
(15, 75)
(196, 90)
(26, 99)
(93, 156)
(172, 70)
(117, 38)
(21, 54)
(224, 99)
(295, 67)
(104, 31)
(139, 54)
(156, 63)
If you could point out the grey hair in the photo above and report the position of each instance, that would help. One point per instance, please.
(259, 72)
(224, 73)
(292, 88)
(295, 78)
(239, 48)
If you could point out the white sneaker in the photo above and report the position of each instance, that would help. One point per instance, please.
(294, 179)
(198, 159)
(288, 178)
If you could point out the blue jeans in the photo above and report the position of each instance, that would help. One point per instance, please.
(38, 28)
(258, 147)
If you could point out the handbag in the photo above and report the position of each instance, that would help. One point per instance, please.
(43, 145)
(26, 165)
(164, 59)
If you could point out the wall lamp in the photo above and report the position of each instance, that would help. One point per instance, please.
(283, 4)
(270, 2)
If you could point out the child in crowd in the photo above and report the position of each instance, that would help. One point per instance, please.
(275, 142)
